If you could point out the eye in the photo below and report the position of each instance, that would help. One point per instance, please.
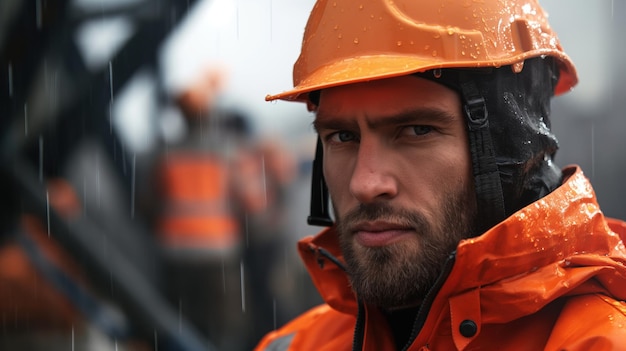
(418, 130)
(342, 136)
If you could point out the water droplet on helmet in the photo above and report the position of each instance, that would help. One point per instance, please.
(437, 72)
(399, 43)
(517, 67)
(356, 40)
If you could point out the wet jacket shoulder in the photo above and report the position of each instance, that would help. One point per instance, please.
(319, 329)
(552, 276)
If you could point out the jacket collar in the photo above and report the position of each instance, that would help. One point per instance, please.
(520, 263)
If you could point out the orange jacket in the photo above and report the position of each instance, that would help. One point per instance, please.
(550, 277)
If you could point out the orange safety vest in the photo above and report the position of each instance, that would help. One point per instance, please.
(196, 205)
(550, 277)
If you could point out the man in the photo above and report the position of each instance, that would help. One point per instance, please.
(453, 229)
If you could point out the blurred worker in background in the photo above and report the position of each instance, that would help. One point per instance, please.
(220, 196)
(197, 216)
(452, 228)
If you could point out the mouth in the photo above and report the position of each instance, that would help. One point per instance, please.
(380, 233)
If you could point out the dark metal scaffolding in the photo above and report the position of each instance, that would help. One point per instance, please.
(48, 95)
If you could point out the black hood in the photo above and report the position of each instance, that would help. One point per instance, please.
(518, 113)
(519, 120)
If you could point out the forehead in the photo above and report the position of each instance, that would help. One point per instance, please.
(387, 97)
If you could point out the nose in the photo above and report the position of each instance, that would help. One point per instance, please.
(372, 178)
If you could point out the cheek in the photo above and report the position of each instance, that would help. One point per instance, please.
(463, 166)
(337, 173)
(425, 177)
(457, 169)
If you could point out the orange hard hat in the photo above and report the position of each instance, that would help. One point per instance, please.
(349, 41)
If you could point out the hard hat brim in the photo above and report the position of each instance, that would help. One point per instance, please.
(365, 68)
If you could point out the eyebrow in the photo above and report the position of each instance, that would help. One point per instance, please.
(417, 116)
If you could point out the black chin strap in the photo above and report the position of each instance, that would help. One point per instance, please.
(319, 214)
(490, 199)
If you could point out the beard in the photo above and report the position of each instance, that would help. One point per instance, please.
(401, 274)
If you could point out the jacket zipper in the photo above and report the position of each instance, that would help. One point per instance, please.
(359, 328)
(420, 319)
(422, 313)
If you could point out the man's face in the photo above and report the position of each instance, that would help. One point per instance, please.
(398, 170)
